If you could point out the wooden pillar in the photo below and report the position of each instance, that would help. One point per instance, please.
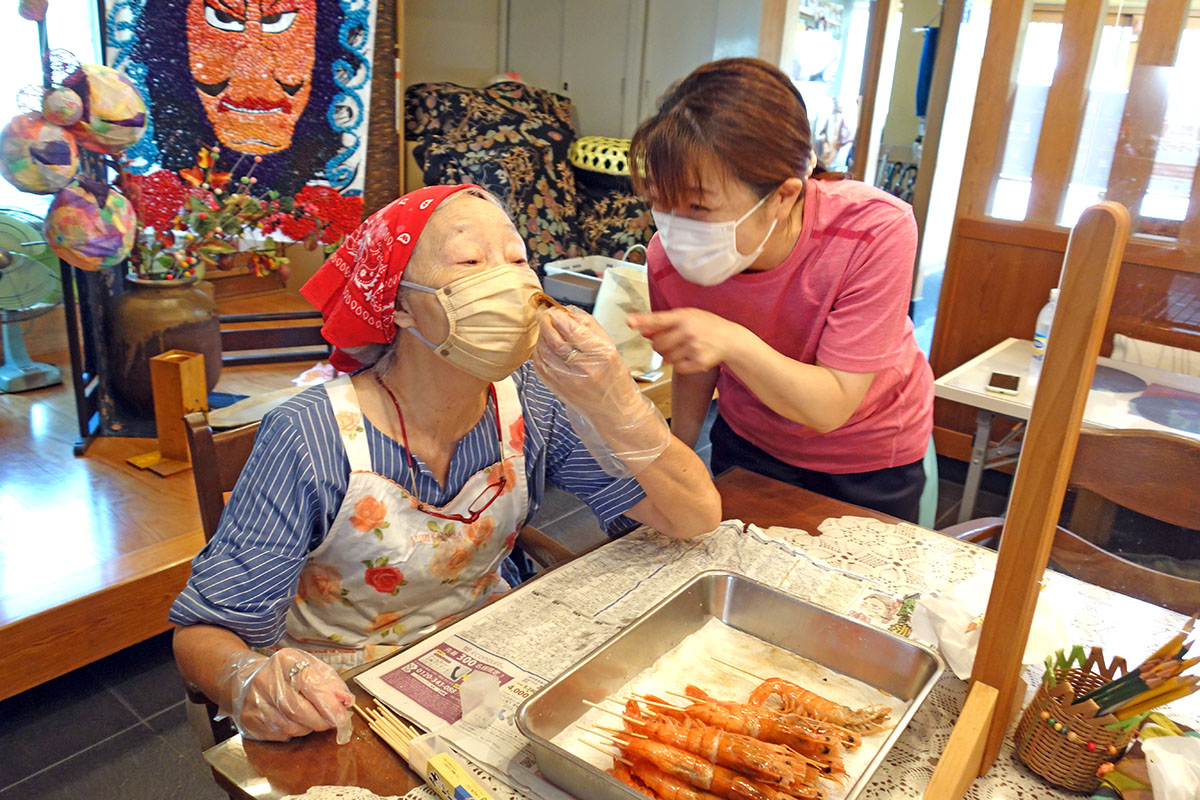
(993, 106)
(866, 137)
(1083, 22)
(771, 29)
(1146, 103)
(939, 92)
(402, 161)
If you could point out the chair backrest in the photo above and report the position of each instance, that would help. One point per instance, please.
(1150, 472)
(217, 460)
(1080, 558)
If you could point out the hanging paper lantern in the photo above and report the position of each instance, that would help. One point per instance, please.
(62, 107)
(91, 225)
(32, 9)
(37, 156)
(114, 114)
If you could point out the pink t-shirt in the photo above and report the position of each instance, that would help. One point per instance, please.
(841, 298)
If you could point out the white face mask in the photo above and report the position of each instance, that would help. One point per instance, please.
(706, 252)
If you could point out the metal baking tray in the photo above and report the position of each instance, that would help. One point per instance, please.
(901, 668)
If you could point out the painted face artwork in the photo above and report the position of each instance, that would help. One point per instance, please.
(252, 61)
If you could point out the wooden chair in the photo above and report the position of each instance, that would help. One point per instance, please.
(1149, 472)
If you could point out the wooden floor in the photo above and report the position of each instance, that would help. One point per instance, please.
(93, 550)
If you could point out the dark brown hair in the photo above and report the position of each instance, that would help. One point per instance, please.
(742, 112)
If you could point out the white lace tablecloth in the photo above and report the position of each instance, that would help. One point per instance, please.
(864, 568)
(905, 560)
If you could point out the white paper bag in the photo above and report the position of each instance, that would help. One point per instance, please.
(953, 620)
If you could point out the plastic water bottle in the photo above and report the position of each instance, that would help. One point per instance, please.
(1041, 335)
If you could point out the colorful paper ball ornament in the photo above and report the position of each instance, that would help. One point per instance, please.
(62, 107)
(91, 225)
(114, 113)
(37, 156)
(32, 9)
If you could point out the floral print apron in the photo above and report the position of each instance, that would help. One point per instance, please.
(387, 573)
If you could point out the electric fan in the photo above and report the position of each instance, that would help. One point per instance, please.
(30, 286)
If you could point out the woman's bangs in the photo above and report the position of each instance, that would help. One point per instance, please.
(666, 162)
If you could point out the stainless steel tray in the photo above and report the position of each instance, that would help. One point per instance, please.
(880, 659)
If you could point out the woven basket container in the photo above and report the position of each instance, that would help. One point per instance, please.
(601, 154)
(1061, 755)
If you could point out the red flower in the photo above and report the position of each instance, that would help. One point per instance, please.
(516, 434)
(369, 513)
(341, 214)
(480, 532)
(385, 580)
(157, 198)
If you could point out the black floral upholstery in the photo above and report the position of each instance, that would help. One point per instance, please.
(514, 140)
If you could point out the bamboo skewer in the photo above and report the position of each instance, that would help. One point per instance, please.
(387, 726)
(595, 746)
(738, 669)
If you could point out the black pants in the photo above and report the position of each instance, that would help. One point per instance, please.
(895, 490)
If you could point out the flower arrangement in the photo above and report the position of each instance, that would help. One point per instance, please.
(202, 217)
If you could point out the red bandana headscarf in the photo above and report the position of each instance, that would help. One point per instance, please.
(355, 290)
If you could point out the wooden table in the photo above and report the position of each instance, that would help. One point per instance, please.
(831, 542)
(261, 770)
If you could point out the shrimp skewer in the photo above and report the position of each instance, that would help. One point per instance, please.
(774, 764)
(667, 787)
(705, 775)
(760, 724)
(817, 727)
(621, 771)
(789, 698)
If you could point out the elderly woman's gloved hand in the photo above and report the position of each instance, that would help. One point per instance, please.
(289, 694)
(618, 425)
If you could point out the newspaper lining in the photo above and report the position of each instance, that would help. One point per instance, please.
(530, 637)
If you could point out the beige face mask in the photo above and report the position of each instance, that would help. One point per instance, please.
(493, 323)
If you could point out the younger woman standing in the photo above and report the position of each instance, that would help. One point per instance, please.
(786, 294)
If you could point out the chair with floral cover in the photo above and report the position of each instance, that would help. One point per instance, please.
(514, 140)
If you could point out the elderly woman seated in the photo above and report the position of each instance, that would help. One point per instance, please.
(381, 506)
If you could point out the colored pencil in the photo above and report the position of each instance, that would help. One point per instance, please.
(1155, 702)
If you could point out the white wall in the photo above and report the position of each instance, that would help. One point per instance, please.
(737, 27)
(613, 58)
(451, 40)
(901, 125)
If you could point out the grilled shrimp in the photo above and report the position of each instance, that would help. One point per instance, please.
(816, 727)
(705, 775)
(774, 764)
(788, 698)
(667, 787)
(768, 726)
(621, 772)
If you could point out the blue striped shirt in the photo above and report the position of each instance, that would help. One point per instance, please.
(292, 486)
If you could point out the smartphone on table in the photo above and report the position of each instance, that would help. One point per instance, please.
(1003, 383)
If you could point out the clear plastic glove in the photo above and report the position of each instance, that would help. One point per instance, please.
(289, 694)
(619, 426)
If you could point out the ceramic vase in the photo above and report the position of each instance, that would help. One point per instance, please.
(151, 317)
